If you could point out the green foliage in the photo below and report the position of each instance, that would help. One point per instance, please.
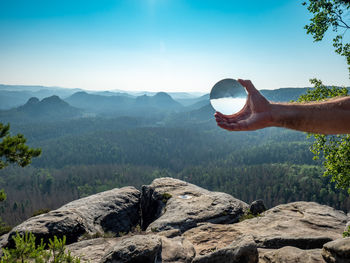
(166, 197)
(248, 215)
(27, 251)
(335, 149)
(137, 229)
(13, 148)
(41, 211)
(2, 195)
(347, 232)
(330, 14)
(154, 229)
(4, 228)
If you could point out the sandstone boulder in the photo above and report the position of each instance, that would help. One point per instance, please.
(257, 207)
(174, 204)
(134, 249)
(337, 251)
(241, 250)
(304, 225)
(114, 211)
(290, 255)
(92, 250)
(176, 250)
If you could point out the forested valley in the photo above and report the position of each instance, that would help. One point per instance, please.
(93, 153)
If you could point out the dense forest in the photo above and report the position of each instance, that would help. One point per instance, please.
(90, 154)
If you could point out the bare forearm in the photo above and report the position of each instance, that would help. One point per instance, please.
(329, 117)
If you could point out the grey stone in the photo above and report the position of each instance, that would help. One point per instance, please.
(257, 207)
(134, 249)
(114, 211)
(305, 225)
(174, 204)
(337, 251)
(92, 250)
(290, 255)
(242, 250)
(176, 250)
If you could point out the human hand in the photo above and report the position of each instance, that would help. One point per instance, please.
(256, 114)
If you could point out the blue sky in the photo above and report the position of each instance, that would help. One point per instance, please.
(168, 45)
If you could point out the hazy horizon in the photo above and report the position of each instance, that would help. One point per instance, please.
(162, 45)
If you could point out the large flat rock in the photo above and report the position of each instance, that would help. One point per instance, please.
(169, 204)
(304, 225)
(92, 250)
(136, 248)
(117, 210)
(240, 250)
(290, 255)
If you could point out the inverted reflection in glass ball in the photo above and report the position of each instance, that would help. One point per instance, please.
(228, 96)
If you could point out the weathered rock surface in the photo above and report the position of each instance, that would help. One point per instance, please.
(135, 249)
(192, 225)
(305, 225)
(337, 251)
(174, 204)
(241, 250)
(115, 211)
(92, 250)
(290, 255)
(176, 250)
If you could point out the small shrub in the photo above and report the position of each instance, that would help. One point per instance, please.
(248, 215)
(4, 228)
(346, 233)
(41, 211)
(26, 251)
(109, 234)
(166, 197)
(137, 229)
(154, 229)
(87, 236)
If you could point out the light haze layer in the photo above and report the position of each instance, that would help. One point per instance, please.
(228, 105)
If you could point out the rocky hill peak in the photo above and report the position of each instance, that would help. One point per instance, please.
(174, 221)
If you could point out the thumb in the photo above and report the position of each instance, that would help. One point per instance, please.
(248, 85)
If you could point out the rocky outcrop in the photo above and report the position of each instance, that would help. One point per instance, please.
(92, 250)
(177, 249)
(114, 211)
(337, 251)
(290, 255)
(241, 250)
(257, 207)
(136, 249)
(174, 204)
(304, 225)
(185, 223)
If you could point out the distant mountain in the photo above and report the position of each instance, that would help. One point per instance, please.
(195, 103)
(15, 95)
(283, 94)
(48, 109)
(124, 105)
(99, 103)
(161, 100)
(174, 95)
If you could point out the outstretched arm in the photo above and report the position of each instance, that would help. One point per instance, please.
(328, 117)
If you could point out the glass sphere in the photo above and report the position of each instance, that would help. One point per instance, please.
(228, 96)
